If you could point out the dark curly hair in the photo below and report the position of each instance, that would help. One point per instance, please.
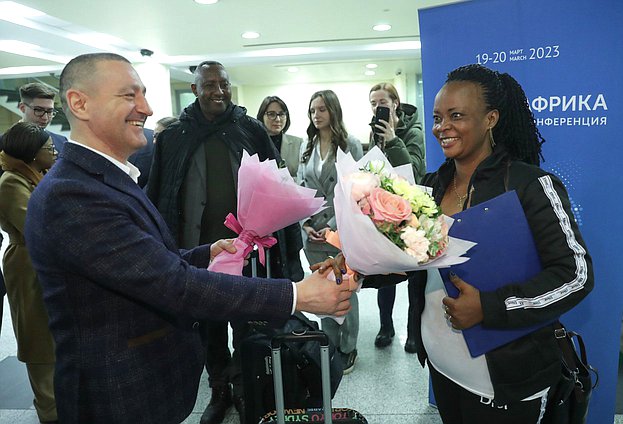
(24, 140)
(516, 129)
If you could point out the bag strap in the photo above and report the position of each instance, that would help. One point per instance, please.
(569, 351)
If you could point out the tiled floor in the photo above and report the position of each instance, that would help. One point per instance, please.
(387, 385)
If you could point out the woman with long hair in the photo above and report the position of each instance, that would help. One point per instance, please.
(27, 154)
(326, 134)
(488, 135)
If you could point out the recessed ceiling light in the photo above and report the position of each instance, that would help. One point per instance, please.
(206, 1)
(293, 69)
(382, 27)
(370, 73)
(372, 66)
(250, 35)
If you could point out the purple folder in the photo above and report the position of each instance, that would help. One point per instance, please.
(505, 253)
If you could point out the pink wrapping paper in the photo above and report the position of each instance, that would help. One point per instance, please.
(268, 200)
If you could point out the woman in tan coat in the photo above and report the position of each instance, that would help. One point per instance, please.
(27, 153)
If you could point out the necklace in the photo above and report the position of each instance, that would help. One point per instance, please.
(459, 199)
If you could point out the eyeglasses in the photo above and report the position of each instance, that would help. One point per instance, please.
(50, 149)
(39, 111)
(274, 115)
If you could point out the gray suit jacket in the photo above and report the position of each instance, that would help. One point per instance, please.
(325, 184)
(291, 152)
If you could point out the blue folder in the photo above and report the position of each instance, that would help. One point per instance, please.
(505, 254)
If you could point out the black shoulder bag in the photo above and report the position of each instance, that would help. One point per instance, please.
(568, 402)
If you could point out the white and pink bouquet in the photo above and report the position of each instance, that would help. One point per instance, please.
(387, 223)
(268, 200)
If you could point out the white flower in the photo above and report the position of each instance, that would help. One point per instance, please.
(416, 242)
(363, 183)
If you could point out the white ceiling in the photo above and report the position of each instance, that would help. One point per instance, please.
(336, 36)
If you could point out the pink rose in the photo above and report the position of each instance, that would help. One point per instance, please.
(363, 183)
(388, 207)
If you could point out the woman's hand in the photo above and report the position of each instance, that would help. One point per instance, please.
(338, 264)
(466, 310)
(219, 246)
(313, 235)
(385, 130)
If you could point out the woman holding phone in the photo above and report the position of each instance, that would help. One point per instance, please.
(397, 132)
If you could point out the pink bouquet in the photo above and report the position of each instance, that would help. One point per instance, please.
(387, 224)
(268, 200)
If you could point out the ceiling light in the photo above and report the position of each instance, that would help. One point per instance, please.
(10, 10)
(372, 66)
(370, 73)
(293, 69)
(382, 27)
(19, 71)
(249, 35)
(396, 45)
(16, 45)
(206, 1)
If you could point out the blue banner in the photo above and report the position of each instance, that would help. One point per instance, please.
(567, 55)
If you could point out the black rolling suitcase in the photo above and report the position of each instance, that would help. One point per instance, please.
(301, 368)
(325, 414)
(300, 359)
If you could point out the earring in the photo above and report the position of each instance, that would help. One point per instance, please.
(491, 140)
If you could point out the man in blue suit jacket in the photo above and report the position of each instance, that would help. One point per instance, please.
(123, 301)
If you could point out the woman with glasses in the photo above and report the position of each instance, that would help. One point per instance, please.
(273, 112)
(325, 134)
(27, 154)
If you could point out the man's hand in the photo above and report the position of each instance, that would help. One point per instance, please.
(219, 246)
(318, 295)
(465, 311)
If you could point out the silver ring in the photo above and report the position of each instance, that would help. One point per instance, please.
(330, 257)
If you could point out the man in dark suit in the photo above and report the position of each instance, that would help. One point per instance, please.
(142, 158)
(123, 301)
(37, 106)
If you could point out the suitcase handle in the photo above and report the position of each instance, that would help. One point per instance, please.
(305, 336)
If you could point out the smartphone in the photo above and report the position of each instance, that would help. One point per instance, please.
(382, 112)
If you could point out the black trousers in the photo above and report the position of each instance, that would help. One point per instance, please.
(223, 366)
(459, 406)
(386, 297)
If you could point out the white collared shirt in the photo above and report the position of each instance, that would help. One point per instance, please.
(127, 167)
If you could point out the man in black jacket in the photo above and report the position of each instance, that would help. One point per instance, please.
(193, 184)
